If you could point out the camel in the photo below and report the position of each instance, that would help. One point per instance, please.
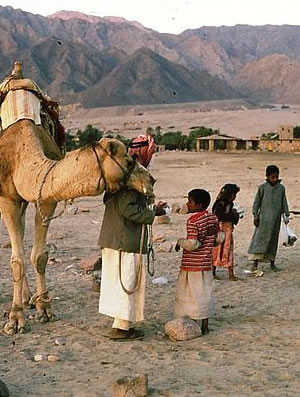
(33, 170)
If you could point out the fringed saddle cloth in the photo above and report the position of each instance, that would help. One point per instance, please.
(22, 99)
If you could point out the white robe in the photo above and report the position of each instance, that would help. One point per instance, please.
(194, 295)
(114, 302)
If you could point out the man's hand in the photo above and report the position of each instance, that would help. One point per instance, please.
(159, 208)
(256, 221)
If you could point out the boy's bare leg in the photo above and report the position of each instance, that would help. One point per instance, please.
(204, 326)
(273, 267)
(232, 277)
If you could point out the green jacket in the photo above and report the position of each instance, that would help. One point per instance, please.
(125, 212)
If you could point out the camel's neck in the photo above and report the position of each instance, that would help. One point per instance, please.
(77, 174)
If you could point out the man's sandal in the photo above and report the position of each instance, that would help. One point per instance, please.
(121, 335)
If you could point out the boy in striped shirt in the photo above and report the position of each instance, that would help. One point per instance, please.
(195, 284)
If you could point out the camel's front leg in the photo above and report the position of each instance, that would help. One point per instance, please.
(12, 216)
(26, 294)
(39, 259)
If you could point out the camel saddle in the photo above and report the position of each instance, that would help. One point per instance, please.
(25, 106)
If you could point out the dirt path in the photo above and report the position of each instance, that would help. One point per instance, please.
(253, 347)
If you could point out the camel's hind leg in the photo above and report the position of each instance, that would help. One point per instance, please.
(39, 259)
(26, 294)
(12, 216)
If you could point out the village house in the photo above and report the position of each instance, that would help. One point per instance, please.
(282, 141)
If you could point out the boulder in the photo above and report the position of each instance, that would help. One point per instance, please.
(183, 328)
(91, 263)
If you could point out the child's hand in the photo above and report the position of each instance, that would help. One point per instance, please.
(256, 221)
(235, 216)
(177, 247)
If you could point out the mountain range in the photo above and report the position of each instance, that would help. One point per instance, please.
(109, 61)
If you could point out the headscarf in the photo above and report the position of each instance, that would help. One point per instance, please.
(226, 191)
(142, 149)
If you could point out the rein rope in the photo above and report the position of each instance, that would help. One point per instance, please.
(150, 253)
(150, 258)
(47, 219)
(139, 266)
(100, 169)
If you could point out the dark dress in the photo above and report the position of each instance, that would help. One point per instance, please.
(269, 204)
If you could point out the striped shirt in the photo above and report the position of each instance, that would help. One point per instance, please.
(202, 226)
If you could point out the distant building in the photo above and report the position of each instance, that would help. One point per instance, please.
(284, 142)
(220, 142)
(285, 132)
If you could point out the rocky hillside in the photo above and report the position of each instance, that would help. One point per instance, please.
(274, 78)
(146, 77)
(111, 61)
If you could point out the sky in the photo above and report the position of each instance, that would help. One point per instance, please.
(175, 16)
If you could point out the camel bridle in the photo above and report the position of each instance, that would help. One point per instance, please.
(126, 173)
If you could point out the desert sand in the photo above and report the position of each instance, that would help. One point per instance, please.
(232, 117)
(253, 347)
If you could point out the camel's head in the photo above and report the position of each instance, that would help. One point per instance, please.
(120, 170)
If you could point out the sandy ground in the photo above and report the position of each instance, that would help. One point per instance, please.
(253, 347)
(236, 117)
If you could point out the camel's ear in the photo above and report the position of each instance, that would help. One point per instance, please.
(110, 145)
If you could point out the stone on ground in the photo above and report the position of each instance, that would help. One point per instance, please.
(91, 263)
(183, 328)
(128, 386)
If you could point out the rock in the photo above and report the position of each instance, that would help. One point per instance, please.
(160, 280)
(183, 210)
(51, 248)
(84, 210)
(60, 341)
(165, 247)
(40, 357)
(52, 358)
(175, 209)
(183, 328)
(131, 386)
(159, 239)
(96, 285)
(73, 210)
(91, 263)
(163, 220)
(7, 244)
(3, 389)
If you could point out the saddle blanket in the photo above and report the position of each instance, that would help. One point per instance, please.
(20, 104)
